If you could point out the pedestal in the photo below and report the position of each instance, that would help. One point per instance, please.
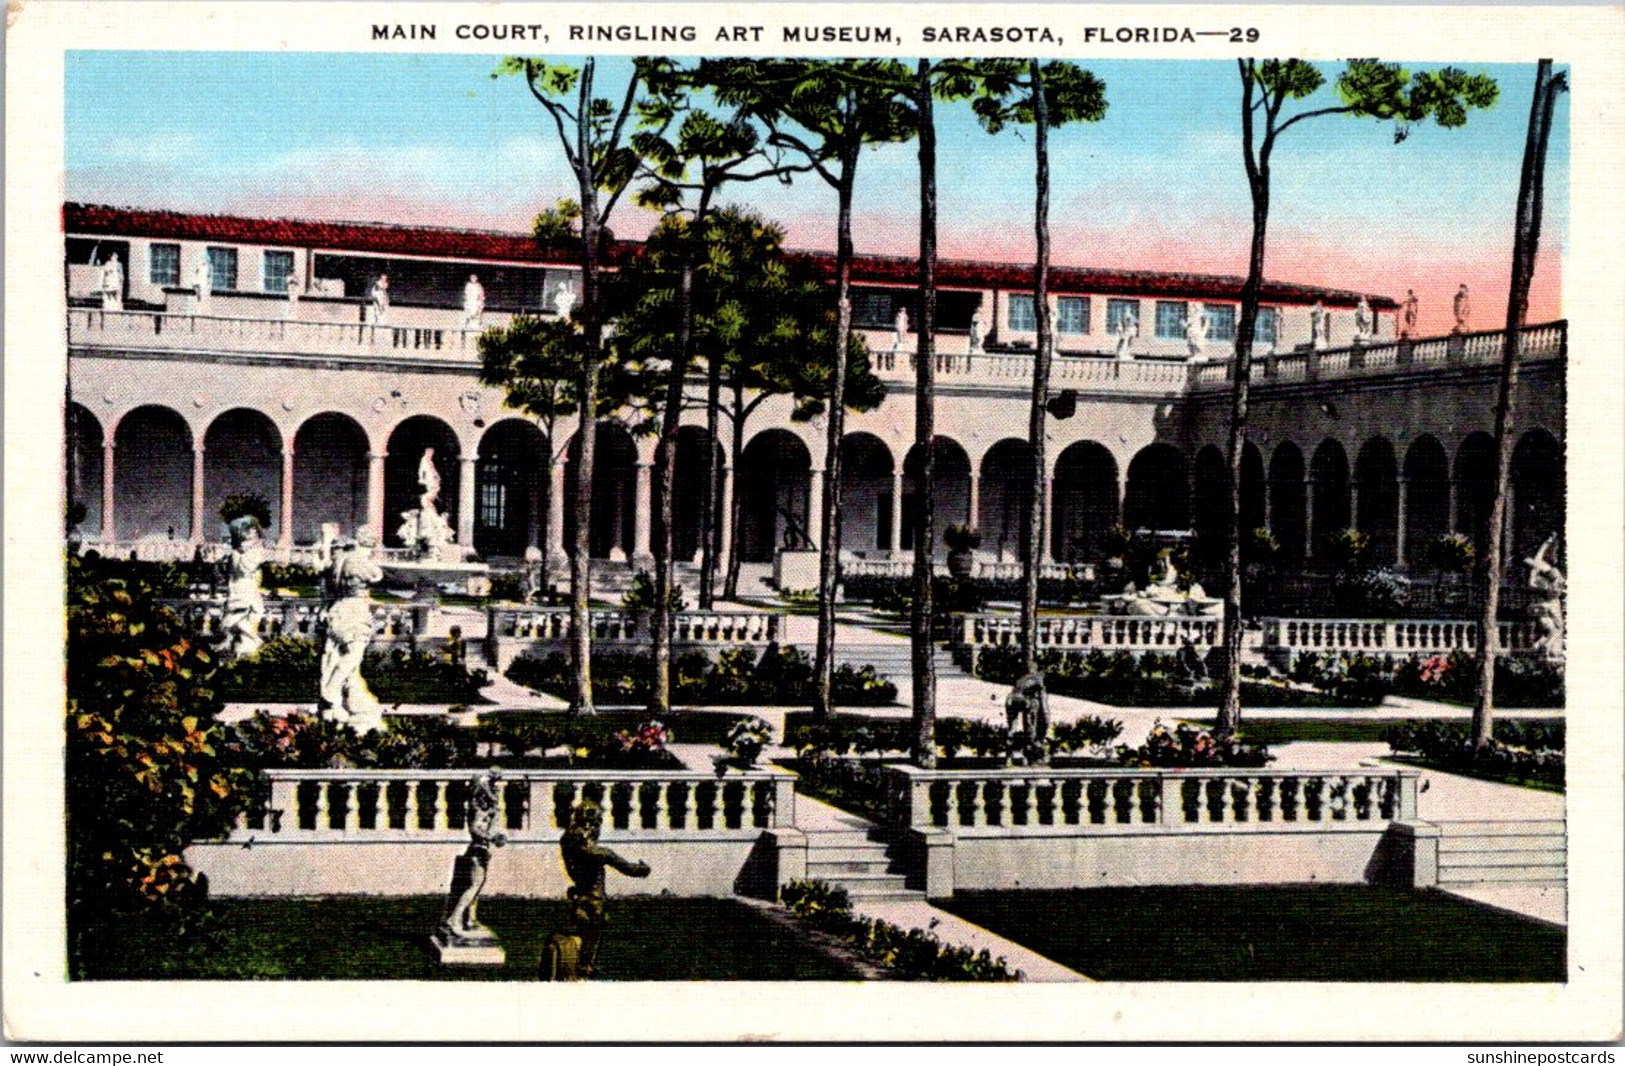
(471, 947)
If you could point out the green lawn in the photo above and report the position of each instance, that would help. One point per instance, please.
(354, 938)
(1274, 933)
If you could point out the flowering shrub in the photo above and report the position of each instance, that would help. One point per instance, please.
(1453, 552)
(1090, 732)
(913, 954)
(648, 737)
(1520, 681)
(1528, 750)
(640, 595)
(774, 676)
(1152, 679)
(744, 744)
(1188, 746)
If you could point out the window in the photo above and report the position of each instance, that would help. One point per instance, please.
(1021, 316)
(1221, 322)
(1267, 329)
(223, 269)
(164, 264)
(874, 308)
(493, 505)
(278, 269)
(1072, 314)
(1117, 311)
(1170, 319)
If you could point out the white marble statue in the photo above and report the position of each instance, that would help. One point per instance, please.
(1128, 331)
(428, 480)
(245, 598)
(976, 332)
(1163, 597)
(899, 330)
(202, 280)
(295, 291)
(460, 925)
(1462, 306)
(380, 299)
(112, 285)
(1364, 323)
(1196, 330)
(1549, 585)
(424, 529)
(344, 696)
(1407, 328)
(473, 303)
(1320, 327)
(564, 300)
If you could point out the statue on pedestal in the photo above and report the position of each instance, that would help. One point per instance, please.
(245, 598)
(112, 285)
(380, 299)
(1462, 307)
(1549, 584)
(460, 929)
(1128, 331)
(899, 330)
(1026, 715)
(1407, 328)
(1364, 323)
(564, 300)
(202, 280)
(976, 332)
(473, 303)
(424, 529)
(295, 291)
(1196, 330)
(584, 862)
(1320, 327)
(344, 696)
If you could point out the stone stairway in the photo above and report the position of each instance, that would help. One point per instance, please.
(1530, 851)
(859, 861)
(894, 661)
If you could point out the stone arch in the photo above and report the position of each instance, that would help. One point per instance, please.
(775, 484)
(1475, 487)
(1427, 498)
(1329, 502)
(688, 493)
(950, 491)
(1376, 479)
(1539, 486)
(1085, 502)
(1289, 501)
(84, 466)
(152, 475)
(1004, 514)
(1158, 493)
(408, 443)
(1210, 499)
(242, 454)
(510, 489)
(1254, 490)
(866, 493)
(330, 472)
(614, 492)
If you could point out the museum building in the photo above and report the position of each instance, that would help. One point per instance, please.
(230, 355)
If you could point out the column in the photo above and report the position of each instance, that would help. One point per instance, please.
(284, 533)
(1308, 518)
(108, 532)
(642, 516)
(197, 493)
(556, 503)
(725, 532)
(375, 494)
(1046, 550)
(1451, 518)
(897, 511)
(1269, 505)
(1354, 503)
(973, 504)
(1402, 498)
(465, 503)
(815, 506)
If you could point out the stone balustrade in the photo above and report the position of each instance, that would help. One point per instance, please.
(1399, 637)
(511, 629)
(986, 569)
(426, 335)
(406, 806)
(1546, 341)
(391, 623)
(1090, 632)
(1077, 802)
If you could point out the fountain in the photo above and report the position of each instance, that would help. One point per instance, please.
(1163, 598)
(432, 557)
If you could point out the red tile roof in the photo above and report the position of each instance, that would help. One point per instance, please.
(382, 239)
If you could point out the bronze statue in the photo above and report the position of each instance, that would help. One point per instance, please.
(1026, 713)
(584, 862)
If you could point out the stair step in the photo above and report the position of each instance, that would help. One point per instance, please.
(1528, 827)
(872, 852)
(835, 871)
(1539, 857)
(1466, 875)
(1450, 845)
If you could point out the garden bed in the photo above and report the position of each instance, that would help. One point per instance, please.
(288, 670)
(776, 676)
(1527, 752)
(1359, 933)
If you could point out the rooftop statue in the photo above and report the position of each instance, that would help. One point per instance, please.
(899, 330)
(1128, 331)
(1407, 326)
(1462, 307)
(976, 332)
(1320, 327)
(564, 300)
(380, 299)
(112, 285)
(202, 280)
(473, 302)
(1364, 322)
(1196, 331)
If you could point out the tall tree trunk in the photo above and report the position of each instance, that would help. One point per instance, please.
(1032, 555)
(713, 484)
(1525, 249)
(665, 480)
(922, 631)
(736, 453)
(1258, 180)
(830, 550)
(587, 413)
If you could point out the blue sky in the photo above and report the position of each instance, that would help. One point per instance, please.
(433, 139)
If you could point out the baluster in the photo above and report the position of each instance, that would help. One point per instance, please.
(951, 805)
(978, 803)
(661, 805)
(410, 821)
(441, 816)
(352, 807)
(1029, 802)
(322, 806)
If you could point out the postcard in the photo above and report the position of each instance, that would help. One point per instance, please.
(800, 522)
